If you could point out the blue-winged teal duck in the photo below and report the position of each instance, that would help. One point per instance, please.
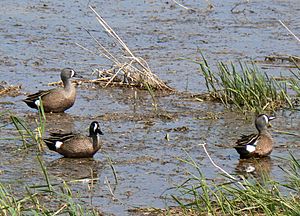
(58, 99)
(256, 145)
(75, 145)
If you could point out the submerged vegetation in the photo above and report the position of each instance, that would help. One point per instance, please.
(246, 87)
(252, 196)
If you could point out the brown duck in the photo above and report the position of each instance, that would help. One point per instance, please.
(58, 99)
(75, 145)
(256, 145)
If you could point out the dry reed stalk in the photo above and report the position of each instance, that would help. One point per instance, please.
(127, 69)
(181, 5)
(220, 168)
(289, 30)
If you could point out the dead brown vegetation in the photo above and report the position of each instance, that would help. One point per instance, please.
(126, 68)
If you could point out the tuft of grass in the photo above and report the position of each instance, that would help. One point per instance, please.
(247, 197)
(294, 174)
(30, 136)
(295, 83)
(245, 87)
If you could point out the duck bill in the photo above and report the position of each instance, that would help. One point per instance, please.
(77, 76)
(99, 132)
(270, 118)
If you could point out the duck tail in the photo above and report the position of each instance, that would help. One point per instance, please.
(50, 144)
(30, 103)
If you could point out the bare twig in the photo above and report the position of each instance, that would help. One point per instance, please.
(60, 210)
(86, 49)
(106, 53)
(220, 168)
(181, 5)
(112, 78)
(111, 190)
(289, 30)
(287, 133)
(113, 169)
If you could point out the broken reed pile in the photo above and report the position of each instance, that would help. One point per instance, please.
(127, 69)
(10, 90)
(248, 89)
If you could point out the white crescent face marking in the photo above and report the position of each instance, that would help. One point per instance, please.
(95, 127)
(72, 73)
(37, 102)
(250, 148)
(58, 144)
(266, 119)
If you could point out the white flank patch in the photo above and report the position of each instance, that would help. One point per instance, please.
(37, 102)
(250, 148)
(250, 169)
(72, 73)
(58, 144)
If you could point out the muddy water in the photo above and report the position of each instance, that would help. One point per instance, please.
(38, 39)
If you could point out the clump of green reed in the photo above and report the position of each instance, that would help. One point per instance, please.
(29, 136)
(244, 86)
(294, 175)
(295, 82)
(35, 201)
(246, 197)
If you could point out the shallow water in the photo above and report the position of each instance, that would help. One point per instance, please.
(38, 39)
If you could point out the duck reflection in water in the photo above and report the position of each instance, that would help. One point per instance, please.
(257, 167)
(69, 169)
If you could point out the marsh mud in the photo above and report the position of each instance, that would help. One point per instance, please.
(143, 139)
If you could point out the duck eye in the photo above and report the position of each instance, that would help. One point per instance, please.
(72, 73)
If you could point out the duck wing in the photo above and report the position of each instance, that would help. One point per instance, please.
(247, 140)
(31, 99)
(57, 139)
(246, 145)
